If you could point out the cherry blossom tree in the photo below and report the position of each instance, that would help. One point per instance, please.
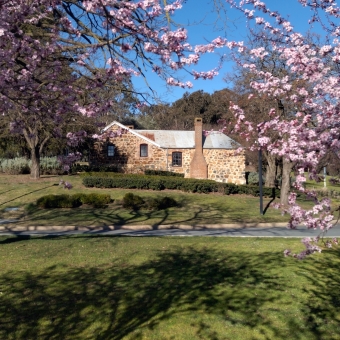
(114, 39)
(98, 42)
(258, 106)
(312, 85)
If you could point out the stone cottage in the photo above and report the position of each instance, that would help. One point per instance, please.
(189, 152)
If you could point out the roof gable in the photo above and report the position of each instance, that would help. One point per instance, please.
(175, 139)
(133, 131)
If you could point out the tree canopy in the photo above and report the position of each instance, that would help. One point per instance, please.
(52, 51)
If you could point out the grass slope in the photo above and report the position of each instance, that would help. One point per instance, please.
(166, 288)
(20, 191)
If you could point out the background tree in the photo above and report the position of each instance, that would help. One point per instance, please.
(51, 54)
(259, 106)
(310, 124)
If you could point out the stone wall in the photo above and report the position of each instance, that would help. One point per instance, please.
(127, 156)
(223, 165)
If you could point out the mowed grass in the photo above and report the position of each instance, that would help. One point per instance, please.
(20, 191)
(97, 287)
(312, 184)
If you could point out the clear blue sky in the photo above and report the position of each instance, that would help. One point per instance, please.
(199, 18)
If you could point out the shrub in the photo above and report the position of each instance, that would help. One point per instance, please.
(15, 166)
(58, 201)
(253, 178)
(50, 166)
(159, 203)
(94, 199)
(73, 201)
(124, 181)
(162, 173)
(132, 201)
(230, 189)
(22, 165)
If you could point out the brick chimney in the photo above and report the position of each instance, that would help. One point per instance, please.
(198, 165)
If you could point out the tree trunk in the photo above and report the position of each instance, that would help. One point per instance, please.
(270, 170)
(287, 167)
(35, 158)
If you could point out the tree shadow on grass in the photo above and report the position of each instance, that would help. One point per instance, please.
(325, 295)
(28, 193)
(117, 216)
(118, 300)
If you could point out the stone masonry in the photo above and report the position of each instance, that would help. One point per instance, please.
(223, 165)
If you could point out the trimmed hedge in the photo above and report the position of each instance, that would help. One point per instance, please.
(160, 203)
(135, 202)
(173, 183)
(73, 201)
(96, 200)
(58, 201)
(162, 173)
(132, 201)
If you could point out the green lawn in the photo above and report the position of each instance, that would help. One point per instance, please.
(166, 288)
(20, 191)
(311, 184)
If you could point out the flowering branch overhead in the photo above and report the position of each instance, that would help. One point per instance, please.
(51, 52)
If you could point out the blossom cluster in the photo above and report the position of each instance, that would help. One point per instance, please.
(67, 161)
(311, 247)
(310, 92)
(38, 93)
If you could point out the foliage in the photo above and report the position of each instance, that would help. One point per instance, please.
(15, 166)
(162, 173)
(73, 201)
(126, 181)
(135, 202)
(305, 120)
(253, 178)
(97, 200)
(132, 201)
(58, 201)
(159, 203)
(215, 208)
(180, 114)
(50, 52)
(21, 165)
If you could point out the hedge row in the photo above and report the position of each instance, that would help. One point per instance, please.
(114, 169)
(162, 173)
(135, 202)
(73, 201)
(174, 183)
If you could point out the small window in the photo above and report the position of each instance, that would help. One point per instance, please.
(144, 150)
(177, 159)
(110, 150)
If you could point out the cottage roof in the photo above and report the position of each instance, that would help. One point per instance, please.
(174, 139)
(186, 139)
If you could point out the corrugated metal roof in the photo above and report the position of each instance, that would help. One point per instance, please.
(186, 139)
(173, 139)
